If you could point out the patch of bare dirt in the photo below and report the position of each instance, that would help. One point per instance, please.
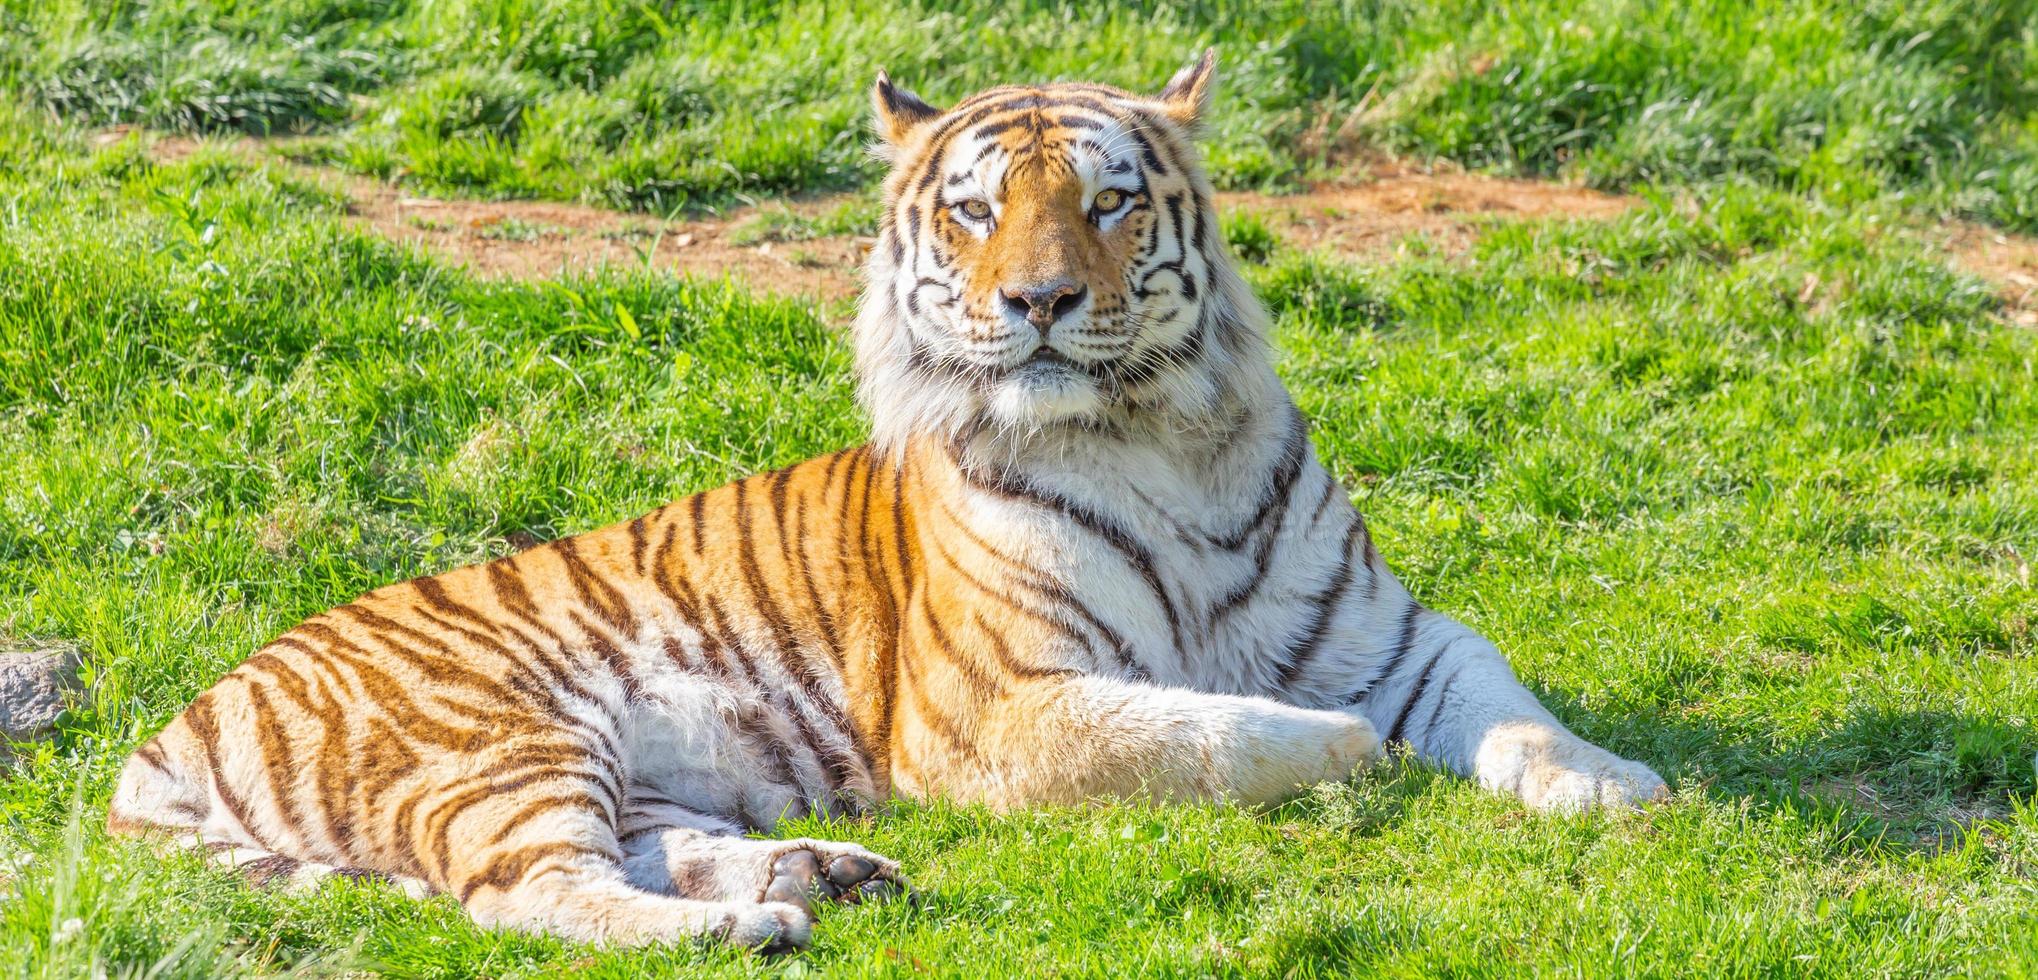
(1369, 216)
(526, 239)
(2007, 262)
(532, 239)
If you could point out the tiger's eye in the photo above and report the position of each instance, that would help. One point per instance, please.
(1108, 200)
(976, 210)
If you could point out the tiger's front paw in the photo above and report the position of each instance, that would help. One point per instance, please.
(1556, 771)
(771, 928)
(811, 871)
(1354, 747)
(1612, 783)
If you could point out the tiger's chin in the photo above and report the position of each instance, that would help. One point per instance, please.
(1045, 394)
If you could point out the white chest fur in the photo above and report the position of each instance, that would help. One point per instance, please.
(1209, 561)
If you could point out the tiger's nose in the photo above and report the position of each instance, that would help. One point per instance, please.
(1043, 305)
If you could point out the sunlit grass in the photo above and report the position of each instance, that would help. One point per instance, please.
(1743, 480)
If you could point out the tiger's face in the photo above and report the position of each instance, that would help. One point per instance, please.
(1049, 257)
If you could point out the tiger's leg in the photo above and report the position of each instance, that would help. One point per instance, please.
(669, 848)
(520, 860)
(1071, 739)
(1447, 693)
(567, 876)
(278, 872)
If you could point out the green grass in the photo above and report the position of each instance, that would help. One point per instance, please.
(513, 229)
(693, 103)
(1744, 481)
(857, 216)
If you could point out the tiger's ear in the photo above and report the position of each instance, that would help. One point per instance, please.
(1187, 96)
(899, 111)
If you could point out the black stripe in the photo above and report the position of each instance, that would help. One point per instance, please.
(261, 871)
(1030, 120)
(1146, 152)
(640, 542)
(982, 684)
(1405, 642)
(1401, 647)
(1436, 715)
(824, 617)
(1415, 694)
(1327, 602)
(1277, 492)
(1010, 486)
(1053, 592)
(1263, 559)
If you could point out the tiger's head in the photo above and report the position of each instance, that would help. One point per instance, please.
(1049, 260)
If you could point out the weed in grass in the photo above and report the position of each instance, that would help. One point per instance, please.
(1250, 238)
(513, 229)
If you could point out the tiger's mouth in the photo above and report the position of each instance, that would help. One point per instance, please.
(1047, 363)
(1049, 356)
(1054, 386)
(1047, 388)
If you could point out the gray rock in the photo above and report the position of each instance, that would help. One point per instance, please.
(33, 686)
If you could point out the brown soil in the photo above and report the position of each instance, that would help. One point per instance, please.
(2008, 262)
(1375, 215)
(530, 239)
(1936, 826)
(525, 239)
(1370, 216)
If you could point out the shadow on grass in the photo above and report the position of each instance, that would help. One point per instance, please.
(1910, 778)
(1887, 782)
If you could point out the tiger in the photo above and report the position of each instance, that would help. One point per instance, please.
(1088, 553)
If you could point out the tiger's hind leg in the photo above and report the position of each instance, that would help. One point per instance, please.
(671, 849)
(161, 796)
(563, 875)
(555, 875)
(289, 875)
